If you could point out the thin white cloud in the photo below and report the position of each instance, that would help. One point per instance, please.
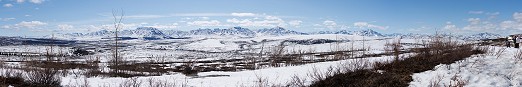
(450, 26)
(7, 19)
(474, 21)
(8, 5)
(144, 16)
(330, 24)
(166, 26)
(476, 24)
(186, 18)
(243, 14)
(204, 18)
(20, 1)
(123, 26)
(204, 23)
(516, 23)
(268, 21)
(6, 27)
(368, 25)
(30, 24)
(493, 13)
(517, 16)
(218, 14)
(295, 23)
(272, 18)
(416, 29)
(201, 14)
(36, 1)
(476, 12)
(65, 27)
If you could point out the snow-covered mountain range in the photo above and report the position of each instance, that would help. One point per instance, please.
(245, 32)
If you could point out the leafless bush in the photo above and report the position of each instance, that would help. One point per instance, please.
(457, 81)
(278, 51)
(83, 83)
(296, 82)
(117, 60)
(131, 82)
(12, 77)
(393, 48)
(357, 64)
(44, 78)
(435, 82)
(157, 59)
(277, 55)
(500, 52)
(160, 83)
(487, 49)
(185, 83)
(189, 68)
(261, 81)
(518, 55)
(2, 63)
(316, 74)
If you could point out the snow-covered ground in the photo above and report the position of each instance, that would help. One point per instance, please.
(216, 48)
(483, 70)
(272, 76)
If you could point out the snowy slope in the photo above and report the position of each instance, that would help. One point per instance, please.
(485, 70)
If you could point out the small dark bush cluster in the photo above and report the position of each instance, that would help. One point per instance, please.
(35, 78)
(81, 52)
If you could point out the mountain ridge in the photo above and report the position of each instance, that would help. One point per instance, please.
(275, 31)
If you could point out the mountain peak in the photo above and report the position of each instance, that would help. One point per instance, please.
(146, 28)
(278, 31)
(369, 32)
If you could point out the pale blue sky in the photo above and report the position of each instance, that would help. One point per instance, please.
(42, 17)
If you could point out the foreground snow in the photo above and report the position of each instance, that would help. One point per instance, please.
(278, 76)
(484, 70)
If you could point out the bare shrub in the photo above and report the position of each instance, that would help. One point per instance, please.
(357, 64)
(393, 48)
(12, 77)
(316, 74)
(2, 63)
(85, 83)
(160, 83)
(457, 81)
(277, 55)
(296, 82)
(278, 51)
(518, 55)
(44, 78)
(435, 82)
(500, 52)
(131, 82)
(189, 68)
(261, 81)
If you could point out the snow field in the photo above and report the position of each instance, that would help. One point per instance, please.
(481, 70)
